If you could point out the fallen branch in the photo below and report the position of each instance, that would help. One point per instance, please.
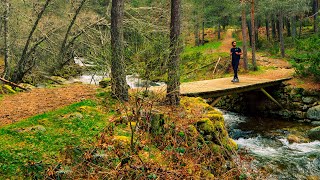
(216, 65)
(12, 84)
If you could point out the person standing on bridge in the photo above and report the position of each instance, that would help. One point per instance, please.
(235, 54)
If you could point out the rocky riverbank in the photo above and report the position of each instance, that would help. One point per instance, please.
(298, 104)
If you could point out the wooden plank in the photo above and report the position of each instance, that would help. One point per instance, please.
(271, 98)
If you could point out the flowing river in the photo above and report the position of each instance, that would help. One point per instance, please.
(266, 140)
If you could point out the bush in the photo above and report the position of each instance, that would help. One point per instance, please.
(306, 58)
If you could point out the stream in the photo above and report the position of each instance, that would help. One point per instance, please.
(265, 140)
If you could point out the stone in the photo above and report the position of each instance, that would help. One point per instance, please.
(37, 128)
(305, 107)
(76, 115)
(27, 86)
(310, 93)
(296, 105)
(285, 113)
(314, 133)
(299, 114)
(58, 79)
(293, 139)
(315, 123)
(308, 99)
(314, 113)
(105, 82)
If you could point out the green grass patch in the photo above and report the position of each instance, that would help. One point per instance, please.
(41, 138)
(206, 47)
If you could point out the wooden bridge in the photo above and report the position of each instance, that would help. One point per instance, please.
(216, 88)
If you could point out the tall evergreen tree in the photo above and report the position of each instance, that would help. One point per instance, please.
(118, 73)
(173, 89)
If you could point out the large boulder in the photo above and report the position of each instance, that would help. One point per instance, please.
(314, 133)
(58, 79)
(314, 113)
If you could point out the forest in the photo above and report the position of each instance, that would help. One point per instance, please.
(140, 89)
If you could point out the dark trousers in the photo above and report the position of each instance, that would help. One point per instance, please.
(235, 65)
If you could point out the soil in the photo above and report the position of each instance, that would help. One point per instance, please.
(26, 104)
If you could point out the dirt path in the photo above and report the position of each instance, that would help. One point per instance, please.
(23, 105)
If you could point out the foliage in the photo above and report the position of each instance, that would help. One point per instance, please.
(306, 58)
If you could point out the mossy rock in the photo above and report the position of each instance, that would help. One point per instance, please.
(27, 86)
(9, 89)
(314, 133)
(121, 141)
(33, 129)
(58, 79)
(215, 117)
(105, 82)
(193, 130)
(73, 116)
(87, 109)
(215, 148)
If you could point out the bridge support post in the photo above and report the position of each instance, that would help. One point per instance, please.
(271, 98)
(215, 102)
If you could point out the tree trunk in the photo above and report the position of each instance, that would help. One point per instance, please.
(267, 29)
(20, 71)
(294, 26)
(274, 31)
(6, 40)
(244, 36)
(288, 27)
(118, 72)
(63, 48)
(278, 28)
(257, 25)
(300, 28)
(315, 17)
(254, 62)
(219, 31)
(202, 33)
(250, 33)
(281, 34)
(173, 84)
(196, 35)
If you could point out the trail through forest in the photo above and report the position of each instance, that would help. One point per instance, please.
(23, 105)
(26, 104)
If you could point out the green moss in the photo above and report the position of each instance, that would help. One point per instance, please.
(215, 117)
(19, 146)
(9, 89)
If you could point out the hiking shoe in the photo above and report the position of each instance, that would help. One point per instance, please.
(236, 80)
(233, 80)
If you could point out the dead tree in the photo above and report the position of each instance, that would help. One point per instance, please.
(65, 45)
(21, 70)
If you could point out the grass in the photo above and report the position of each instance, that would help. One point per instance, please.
(193, 60)
(206, 47)
(22, 146)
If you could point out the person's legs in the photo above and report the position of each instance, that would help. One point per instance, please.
(235, 65)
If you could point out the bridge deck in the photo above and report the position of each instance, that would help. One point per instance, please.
(224, 86)
(220, 87)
